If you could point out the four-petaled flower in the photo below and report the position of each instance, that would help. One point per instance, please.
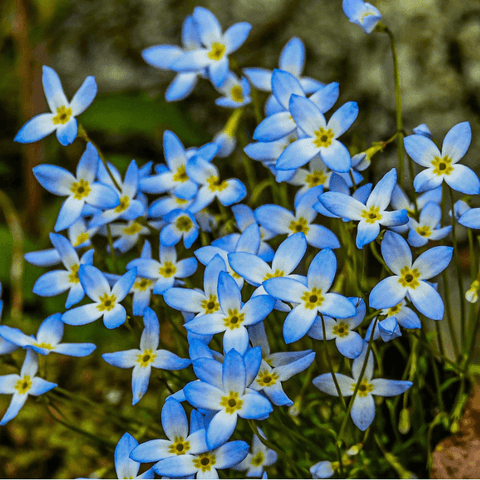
(62, 119)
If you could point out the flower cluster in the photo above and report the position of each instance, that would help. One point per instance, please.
(275, 268)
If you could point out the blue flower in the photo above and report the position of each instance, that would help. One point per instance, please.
(363, 409)
(175, 178)
(62, 119)
(311, 296)
(162, 56)
(245, 217)
(323, 469)
(426, 228)
(48, 339)
(249, 241)
(321, 137)
(409, 279)
(292, 60)
(218, 46)
(180, 224)
(23, 385)
(58, 281)
(232, 317)
(80, 189)
(236, 92)
(165, 272)
(107, 300)
(175, 426)
(348, 342)
(206, 174)
(372, 214)
(227, 395)
(129, 207)
(142, 360)
(285, 86)
(194, 300)
(203, 465)
(259, 458)
(276, 367)
(279, 220)
(443, 166)
(125, 467)
(361, 13)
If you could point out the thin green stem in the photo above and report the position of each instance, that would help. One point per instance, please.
(459, 275)
(357, 384)
(398, 108)
(112, 250)
(82, 133)
(330, 365)
(17, 261)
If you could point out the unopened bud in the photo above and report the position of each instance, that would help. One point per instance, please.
(472, 293)
(404, 424)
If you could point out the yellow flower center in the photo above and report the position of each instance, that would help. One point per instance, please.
(183, 223)
(236, 93)
(124, 204)
(167, 270)
(80, 189)
(234, 319)
(46, 346)
(442, 165)
(23, 385)
(181, 174)
(214, 184)
(313, 298)
(231, 402)
(145, 358)
(409, 277)
(300, 225)
(266, 378)
(204, 462)
(180, 201)
(83, 237)
(424, 231)
(258, 459)
(73, 277)
(63, 115)
(276, 273)
(323, 138)
(211, 305)
(364, 389)
(107, 302)
(341, 329)
(142, 284)
(179, 446)
(372, 215)
(394, 310)
(317, 177)
(217, 51)
(132, 229)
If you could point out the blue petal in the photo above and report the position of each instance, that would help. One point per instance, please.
(84, 96)
(35, 129)
(181, 86)
(292, 58)
(161, 56)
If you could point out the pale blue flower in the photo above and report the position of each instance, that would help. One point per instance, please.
(49, 335)
(361, 13)
(443, 166)
(147, 357)
(23, 385)
(217, 46)
(310, 297)
(409, 279)
(363, 410)
(62, 119)
(125, 467)
(107, 300)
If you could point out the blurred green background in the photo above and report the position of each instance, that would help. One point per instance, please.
(439, 55)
